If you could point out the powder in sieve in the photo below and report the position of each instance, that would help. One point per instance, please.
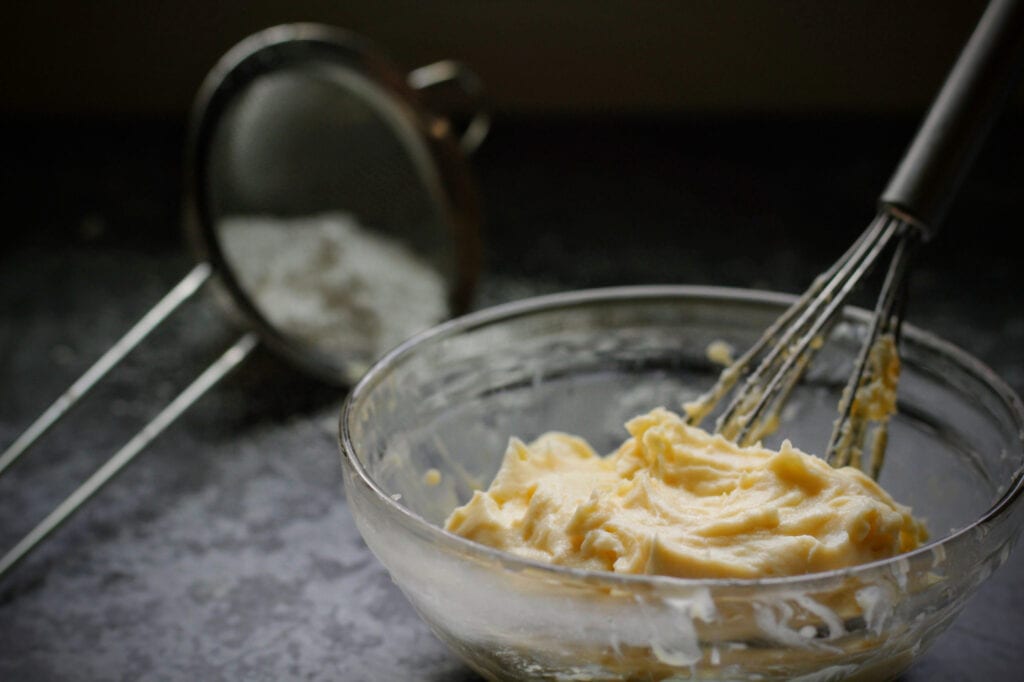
(332, 283)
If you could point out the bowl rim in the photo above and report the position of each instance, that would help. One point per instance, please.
(546, 303)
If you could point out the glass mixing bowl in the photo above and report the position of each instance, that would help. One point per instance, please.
(449, 399)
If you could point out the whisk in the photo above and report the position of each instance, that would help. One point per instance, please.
(910, 210)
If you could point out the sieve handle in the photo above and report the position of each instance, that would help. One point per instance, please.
(113, 466)
(448, 72)
(181, 292)
(949, 138)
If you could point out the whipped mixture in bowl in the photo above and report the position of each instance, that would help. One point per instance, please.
(675, 500)
(678, 555)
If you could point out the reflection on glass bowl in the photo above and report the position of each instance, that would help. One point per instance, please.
(430, 422)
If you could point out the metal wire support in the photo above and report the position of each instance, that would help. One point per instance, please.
(92, 376)
(231, 358)
(123, 457)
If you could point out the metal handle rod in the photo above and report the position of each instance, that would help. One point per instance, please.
(964, 110)
(181, 292)
(214, 373)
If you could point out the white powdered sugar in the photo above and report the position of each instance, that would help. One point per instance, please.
(337, 286)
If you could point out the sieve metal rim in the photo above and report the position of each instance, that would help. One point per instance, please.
(452, 185)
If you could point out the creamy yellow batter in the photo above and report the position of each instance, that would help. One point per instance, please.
(675, 500)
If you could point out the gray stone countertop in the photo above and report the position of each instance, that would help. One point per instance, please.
(226, 552)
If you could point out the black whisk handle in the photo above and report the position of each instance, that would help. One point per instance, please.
(960, 117)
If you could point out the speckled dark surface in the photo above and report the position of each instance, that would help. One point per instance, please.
(226, 552)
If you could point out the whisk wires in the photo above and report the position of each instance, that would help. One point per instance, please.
(785, 350)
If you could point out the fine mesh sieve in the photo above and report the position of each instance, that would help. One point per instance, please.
(328, 198)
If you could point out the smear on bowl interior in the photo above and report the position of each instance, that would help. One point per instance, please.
(676, 500)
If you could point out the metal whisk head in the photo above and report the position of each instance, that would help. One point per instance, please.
(782, 354)
(913, 205)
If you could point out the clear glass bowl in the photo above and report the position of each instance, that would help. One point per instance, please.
(586, 362)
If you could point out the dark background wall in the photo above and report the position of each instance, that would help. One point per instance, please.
(536, 56)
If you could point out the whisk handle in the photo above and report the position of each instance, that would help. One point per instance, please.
(949, 138)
